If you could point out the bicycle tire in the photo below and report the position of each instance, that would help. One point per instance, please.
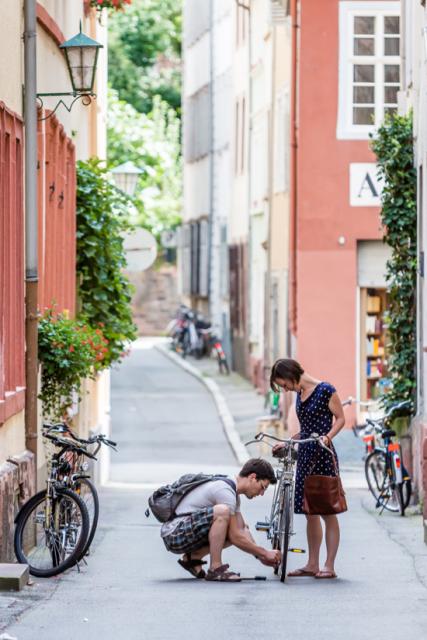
(21, 520)
(93, 517)
(285, 524)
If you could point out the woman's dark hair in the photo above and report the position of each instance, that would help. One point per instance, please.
(262, 469)
(285, 369)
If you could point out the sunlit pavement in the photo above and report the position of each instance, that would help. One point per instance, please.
(166, 423)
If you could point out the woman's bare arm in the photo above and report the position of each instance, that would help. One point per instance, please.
(337, 409)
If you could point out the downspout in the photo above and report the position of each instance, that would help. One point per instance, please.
(211, 222)
(293, 311)
(247, 7)
(31, 226)
(268, 300)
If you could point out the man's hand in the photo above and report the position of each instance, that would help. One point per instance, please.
(270, 558)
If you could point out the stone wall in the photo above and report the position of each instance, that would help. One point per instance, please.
(155, 300)
(17, 485)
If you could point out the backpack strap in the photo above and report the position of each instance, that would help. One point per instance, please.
(224, 478)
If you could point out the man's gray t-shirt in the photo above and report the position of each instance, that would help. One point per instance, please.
(205, 495)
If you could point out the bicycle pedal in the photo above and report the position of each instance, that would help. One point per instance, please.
(294, 550)
(262, 526)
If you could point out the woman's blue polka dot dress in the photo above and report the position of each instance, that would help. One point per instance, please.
(315, 417)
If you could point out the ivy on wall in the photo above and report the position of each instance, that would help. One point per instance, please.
(104, 292)
(393, 146)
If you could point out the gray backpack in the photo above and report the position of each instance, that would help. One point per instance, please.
(165, 500)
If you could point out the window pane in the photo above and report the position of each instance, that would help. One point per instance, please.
(391, 73)
(365, 25)
(365, 95)
(364, 46)
(391, 46)
(390, 111)
(363, 115)
(365, 72)
(390, 95)
(391, 24)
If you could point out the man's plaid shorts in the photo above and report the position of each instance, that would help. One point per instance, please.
(192, 533)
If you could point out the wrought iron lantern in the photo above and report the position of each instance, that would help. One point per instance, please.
(126, 176)
(81, 54)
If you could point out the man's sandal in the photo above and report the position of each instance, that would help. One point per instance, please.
(221, 574)
(301, 573)
(190, 566)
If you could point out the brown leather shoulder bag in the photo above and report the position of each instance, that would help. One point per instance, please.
(324, 495)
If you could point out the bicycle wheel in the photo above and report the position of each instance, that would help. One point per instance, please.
(379, 477)
(285, 531)
(88, 493)
(50, 550)
(275, 523)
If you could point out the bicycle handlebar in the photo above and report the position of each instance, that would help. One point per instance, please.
(315, 437)
(64, 428)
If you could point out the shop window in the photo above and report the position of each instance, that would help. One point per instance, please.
(369, 66)
(374, 380)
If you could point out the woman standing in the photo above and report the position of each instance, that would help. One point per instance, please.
(317, 405)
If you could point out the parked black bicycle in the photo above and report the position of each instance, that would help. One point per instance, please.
(55, 528)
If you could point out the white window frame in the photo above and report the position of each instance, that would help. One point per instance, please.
(346, 130)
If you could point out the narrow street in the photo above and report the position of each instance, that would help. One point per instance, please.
(166, 423)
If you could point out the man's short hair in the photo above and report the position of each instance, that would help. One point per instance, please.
(262, 469)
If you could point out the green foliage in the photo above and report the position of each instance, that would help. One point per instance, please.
(69, 351)
(103, 290)
(152, 142)
(393, 146)
(144, 53)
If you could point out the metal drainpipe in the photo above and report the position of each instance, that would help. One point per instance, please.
(211, 225)
(267, 331)
(31, 226)
(247, 7)
(295, 14)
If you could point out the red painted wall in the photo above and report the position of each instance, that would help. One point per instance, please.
(12, 378)
(326, 273)
(57, 217)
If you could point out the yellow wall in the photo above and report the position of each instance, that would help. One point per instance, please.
(12, 437)
(11, 55)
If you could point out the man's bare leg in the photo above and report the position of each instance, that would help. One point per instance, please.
(218, 534)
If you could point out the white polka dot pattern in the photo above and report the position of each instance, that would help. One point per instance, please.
(315, 417)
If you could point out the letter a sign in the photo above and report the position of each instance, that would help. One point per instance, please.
(365, 189)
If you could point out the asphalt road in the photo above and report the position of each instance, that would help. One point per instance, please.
(132, 589)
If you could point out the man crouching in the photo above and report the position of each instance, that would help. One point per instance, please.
(208, 519)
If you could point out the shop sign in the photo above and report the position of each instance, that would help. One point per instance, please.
(365, 188)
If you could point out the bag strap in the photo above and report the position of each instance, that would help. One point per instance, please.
(334, 458)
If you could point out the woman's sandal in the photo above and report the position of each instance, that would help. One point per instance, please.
(301, 573)
(325, 575)
(221, 574)
(190, 566)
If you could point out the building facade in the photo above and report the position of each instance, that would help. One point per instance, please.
(311, 81)
(347, 78)
(62, 139)
(412, 97)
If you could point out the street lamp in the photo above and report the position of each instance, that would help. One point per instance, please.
(81, 55)
(125, 177)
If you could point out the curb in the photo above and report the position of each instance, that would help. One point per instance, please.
(225, 415)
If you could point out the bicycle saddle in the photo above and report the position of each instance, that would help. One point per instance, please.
(388, 433)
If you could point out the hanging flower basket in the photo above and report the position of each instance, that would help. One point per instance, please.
(109, 4)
